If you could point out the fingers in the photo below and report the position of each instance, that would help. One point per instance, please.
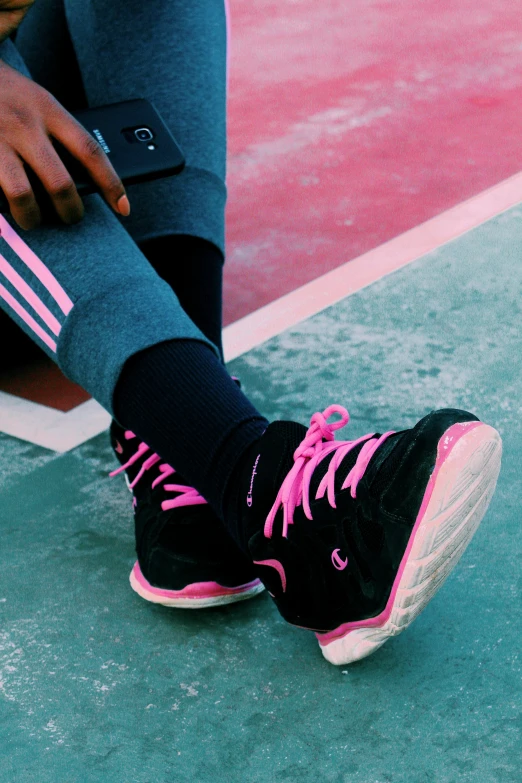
(86, 149)
(17, 189)
(27, 137)
(50, 170)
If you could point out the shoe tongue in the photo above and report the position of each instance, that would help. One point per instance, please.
(286, 437)
(268, 463)
(276, 458)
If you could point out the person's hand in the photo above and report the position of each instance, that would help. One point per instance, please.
(29, 117)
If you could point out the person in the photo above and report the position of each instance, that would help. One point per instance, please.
(351, 538)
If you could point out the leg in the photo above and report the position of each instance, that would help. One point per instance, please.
(192, 266)
(87, 294)
(178, 222)
(45, 30)
(179, 64)
(172, 52)
(352, 538)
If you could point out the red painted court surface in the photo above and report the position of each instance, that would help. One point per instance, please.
(350, 123)
(40, 380)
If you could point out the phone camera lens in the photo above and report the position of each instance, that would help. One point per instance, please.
(143, 134)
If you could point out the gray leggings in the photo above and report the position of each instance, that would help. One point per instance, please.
(85, 293)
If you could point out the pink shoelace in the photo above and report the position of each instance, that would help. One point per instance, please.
(295, 489)
(188, 496)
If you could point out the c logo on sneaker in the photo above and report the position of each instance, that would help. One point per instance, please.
(337, 561)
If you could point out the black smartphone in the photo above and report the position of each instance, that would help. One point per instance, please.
(135, 138)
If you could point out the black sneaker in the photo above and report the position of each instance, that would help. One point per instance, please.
(353, 538)
(185, 556)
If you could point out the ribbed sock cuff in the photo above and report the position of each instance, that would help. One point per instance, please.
(180, 400)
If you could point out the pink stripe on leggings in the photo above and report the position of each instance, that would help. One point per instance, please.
(29, 320)
(30, 296)
(36, 266)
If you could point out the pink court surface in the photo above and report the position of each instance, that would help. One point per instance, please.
(361, 136)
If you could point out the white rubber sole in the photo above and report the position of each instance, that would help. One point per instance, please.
(203, 595)
(460, 495)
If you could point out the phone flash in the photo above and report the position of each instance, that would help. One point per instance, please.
(151, 146)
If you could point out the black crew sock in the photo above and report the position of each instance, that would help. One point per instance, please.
(193, 267)
(179, 399)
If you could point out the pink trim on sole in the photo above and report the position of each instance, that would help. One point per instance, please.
(446, 445)
(208, 591)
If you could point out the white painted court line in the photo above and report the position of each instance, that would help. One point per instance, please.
(269, 321)
(48, 427)
(61, 432)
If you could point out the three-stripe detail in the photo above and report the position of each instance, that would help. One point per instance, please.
(50, 326)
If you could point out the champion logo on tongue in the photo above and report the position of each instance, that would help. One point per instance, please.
(254, 472)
